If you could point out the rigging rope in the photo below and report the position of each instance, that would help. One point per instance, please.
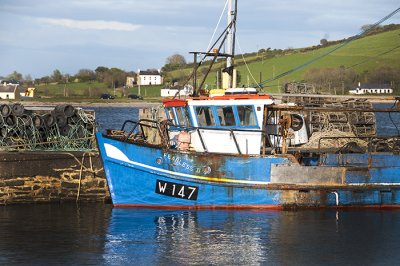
(245, 63)
(334, 49)
(216, 27)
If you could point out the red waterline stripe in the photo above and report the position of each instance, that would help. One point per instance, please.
(253, 207)
(211, 207)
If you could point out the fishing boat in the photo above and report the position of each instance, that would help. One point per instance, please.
(243, 149)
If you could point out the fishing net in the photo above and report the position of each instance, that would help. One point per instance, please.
(333, 138)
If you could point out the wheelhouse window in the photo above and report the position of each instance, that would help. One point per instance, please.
(246, 115)
(226, 116)
(170, 115)
(205, 116)
(183, 117)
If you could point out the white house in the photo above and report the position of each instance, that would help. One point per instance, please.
(372, 89)
(9, 91)
(149, 77)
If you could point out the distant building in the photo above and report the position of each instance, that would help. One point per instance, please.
(27, 93)
(372, 89)
(9, 91)
(176, 91)
(149, 77)
(9, 82)
(130, 81)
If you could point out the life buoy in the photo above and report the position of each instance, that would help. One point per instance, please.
(296, 122)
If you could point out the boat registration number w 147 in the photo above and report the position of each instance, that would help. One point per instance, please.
(176, 190)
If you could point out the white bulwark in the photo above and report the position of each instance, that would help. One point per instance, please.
(149, 77)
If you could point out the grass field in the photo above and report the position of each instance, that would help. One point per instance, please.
(92, 90)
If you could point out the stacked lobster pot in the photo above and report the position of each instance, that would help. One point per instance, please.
(63, 127)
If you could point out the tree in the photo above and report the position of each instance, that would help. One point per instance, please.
(176, 59)
(86, 75)
(366, 27)
(57, 76)
(28, 80)
(323, 42)
(174, 62)
(100, 72)
(114, 78)
(45, 80)
(384, 75)
(15, 76)
(328, 79)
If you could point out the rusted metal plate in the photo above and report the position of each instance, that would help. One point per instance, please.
(307, 174)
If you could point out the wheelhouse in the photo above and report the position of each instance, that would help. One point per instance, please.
(219, 124)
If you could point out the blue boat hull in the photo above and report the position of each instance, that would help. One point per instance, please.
(148, 176)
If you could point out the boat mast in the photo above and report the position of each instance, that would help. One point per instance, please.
(225, 41)
(230, 44)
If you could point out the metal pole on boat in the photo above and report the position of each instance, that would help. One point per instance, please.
(230, 45)
(195, 74)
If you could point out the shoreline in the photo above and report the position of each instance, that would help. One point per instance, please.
(84, 104)
(145, 104)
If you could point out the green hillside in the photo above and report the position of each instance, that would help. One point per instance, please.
(364, 49)
(366, 54)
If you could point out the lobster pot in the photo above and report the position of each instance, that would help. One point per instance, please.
(49, 120)
(63, 127)
(65, 110)
(17, 109)
(3, 132)
(38, 121)
(11, 121)
(5, 110)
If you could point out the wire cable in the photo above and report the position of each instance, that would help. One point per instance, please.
(245, 63)
(371, 58)
(216, 27)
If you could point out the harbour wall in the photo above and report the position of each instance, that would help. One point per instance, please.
(51, 176)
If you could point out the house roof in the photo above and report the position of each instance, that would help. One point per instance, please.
(8, 88)
(149, 72)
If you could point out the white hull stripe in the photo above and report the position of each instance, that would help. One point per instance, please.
(115, 153)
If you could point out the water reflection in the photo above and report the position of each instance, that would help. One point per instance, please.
(306, 237)
(53, 234)
(188, 237)
(97, 234)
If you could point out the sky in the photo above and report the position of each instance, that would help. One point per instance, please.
(40, 36)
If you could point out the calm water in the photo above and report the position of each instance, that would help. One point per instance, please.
(97, 234)
(114, 117)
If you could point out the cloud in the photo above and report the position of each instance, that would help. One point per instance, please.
(90, 24)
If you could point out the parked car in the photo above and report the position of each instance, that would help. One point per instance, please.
(134, 96)
(107, 96)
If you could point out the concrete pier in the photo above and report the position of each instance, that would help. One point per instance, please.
(47, 176)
